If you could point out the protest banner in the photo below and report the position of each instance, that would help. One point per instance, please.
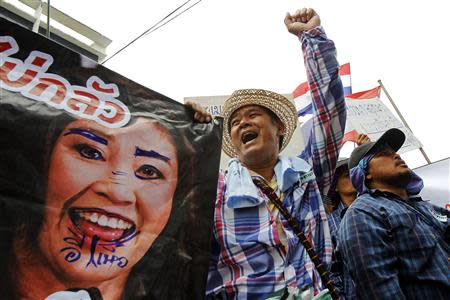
(436, 178)
(105, 185)
(367, 114)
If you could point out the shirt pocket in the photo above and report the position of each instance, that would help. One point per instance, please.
(415, 240)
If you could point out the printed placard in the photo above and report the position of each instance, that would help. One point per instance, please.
(99, 180)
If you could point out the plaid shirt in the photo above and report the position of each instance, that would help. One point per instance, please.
(341, 280)
(395, 249)
(334, 219)
(249, 260)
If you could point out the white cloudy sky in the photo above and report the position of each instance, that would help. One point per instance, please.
(222, 45)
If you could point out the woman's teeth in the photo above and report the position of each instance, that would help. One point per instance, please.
(102, 220)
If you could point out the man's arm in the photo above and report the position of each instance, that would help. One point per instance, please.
(200, 114)
(327, 93)
(369, 254)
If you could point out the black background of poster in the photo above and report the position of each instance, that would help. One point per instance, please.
(178, 268)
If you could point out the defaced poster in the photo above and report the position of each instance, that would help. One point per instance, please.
(107, 188)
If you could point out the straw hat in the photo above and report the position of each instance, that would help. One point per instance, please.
(278, 104)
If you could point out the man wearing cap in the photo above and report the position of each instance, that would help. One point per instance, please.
(255, 254)
(394, 245)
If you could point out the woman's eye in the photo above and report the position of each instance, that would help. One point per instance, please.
(89, 152)
(147, 172)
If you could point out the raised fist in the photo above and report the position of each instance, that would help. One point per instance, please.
(301, 20)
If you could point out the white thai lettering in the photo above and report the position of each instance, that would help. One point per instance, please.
(97, 101)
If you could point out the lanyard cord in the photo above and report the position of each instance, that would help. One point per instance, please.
(270, 193)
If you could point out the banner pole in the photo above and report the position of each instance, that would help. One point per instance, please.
(48, 19)
(401, 118)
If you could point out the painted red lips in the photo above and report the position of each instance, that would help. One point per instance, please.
(107, 226)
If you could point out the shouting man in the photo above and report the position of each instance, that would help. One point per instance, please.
(256, 254)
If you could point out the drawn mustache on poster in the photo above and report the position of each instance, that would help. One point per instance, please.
(86, 235)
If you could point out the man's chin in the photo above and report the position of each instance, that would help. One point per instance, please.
(403, 178)
(257, 159)
(251, 155)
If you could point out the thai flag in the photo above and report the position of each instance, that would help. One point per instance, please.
(344, 73)
(302, 100)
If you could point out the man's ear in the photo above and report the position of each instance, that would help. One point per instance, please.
(369, 176)
(281, 130)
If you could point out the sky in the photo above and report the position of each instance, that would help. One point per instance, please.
(219, 46)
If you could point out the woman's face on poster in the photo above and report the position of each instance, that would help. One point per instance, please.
(109, 196)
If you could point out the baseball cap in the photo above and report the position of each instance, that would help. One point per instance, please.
(393, 137)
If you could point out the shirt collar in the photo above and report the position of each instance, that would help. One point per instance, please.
(241, 192)
(377, 192)
(289, 170)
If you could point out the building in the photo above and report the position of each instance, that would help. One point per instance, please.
(65, 30)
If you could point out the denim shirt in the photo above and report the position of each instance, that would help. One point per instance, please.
(396, 249)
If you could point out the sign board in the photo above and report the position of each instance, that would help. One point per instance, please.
(367, 114)
(436, 179)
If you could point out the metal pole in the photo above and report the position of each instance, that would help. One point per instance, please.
(401, 118)
(37, 18)
(48, 19)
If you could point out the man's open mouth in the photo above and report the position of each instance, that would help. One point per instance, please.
(105, 225)
(248, 136)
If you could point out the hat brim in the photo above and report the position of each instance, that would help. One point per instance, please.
(393, 137)
(342, 162)
(341, 165)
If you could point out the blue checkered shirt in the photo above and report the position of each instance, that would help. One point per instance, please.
(341, 279)
(395, 249)
(334, 219)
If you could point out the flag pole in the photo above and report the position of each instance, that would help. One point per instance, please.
(401, 118)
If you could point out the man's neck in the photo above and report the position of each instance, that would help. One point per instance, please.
(347, 199)
(265, 170)
(399, 191)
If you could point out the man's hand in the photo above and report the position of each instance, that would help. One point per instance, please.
(200, 115)
(362, 139)
(301, 20)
